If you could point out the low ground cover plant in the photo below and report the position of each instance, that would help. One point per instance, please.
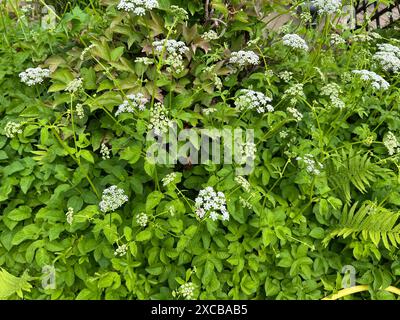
(91, 209)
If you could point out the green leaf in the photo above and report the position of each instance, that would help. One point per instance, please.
(143, 235)
(317, 233)
(56, 87)
(131, 154)
(3, 155)
(10, 284)
(26, 183)
(12, 168)
(153, 199)
(20, 213)
(87, 155)
(208, 272)
(155, 270)
(117, 53)
(29, 232)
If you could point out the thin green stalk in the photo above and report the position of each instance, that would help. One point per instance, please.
(76, 160)
(73, 127)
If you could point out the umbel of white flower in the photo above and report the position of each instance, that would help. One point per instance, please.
(121, 250)
(294, 41)
(174, 53)
(74, 85)
(243, 183)
(244, 58)
(169, 178)
(391, 143)
(187, 290)
(113, 198)
(79, 111)
(32, 76)
(105, 151)
(137, 101)
(388, 57)
(250, 99)
(285, 75)
(159, 121)
(142, 219)
(249, 150)
(333, 90)
(296, 114)
(70, 215)
(312, 166)
(210, 35)
(212, 204)
(327, 6)
(336, 40)
(138, 7)
(376, 81)
(12, 129)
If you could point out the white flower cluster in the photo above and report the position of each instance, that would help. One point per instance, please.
(336, 40)
(121, 250)
(391, 143)
(208, 111)
(134, 101)
(210, 202)
(179, 12)
(172, 47)
(327, 6)
(142, 219)
(159, 121)
(74, 85)
(388, 57)
(312, 166)
(169, 178)
(138, 7)
(105, 151)
(32, 76)
(113, 198)
(250, 99)
(12, 129)
(243, 183)
(294, 41)
(243, 58)
(376, 81)
(146, 61)
(86, 50)
(285, 75)
(174, 51)
(366, 37)
(295, 91)
(187, 290)
(244, 203)
(79, 111)
(210, 35)
(70, 215)
(296, 114)
(249, 151)
(332, 90)
(305, 17)
(283, 134)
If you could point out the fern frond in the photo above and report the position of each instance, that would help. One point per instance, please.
(371, 221)
(351, 168)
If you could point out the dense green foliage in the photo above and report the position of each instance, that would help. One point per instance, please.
(299, 226)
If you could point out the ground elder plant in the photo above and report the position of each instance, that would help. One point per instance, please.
(283, 173)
